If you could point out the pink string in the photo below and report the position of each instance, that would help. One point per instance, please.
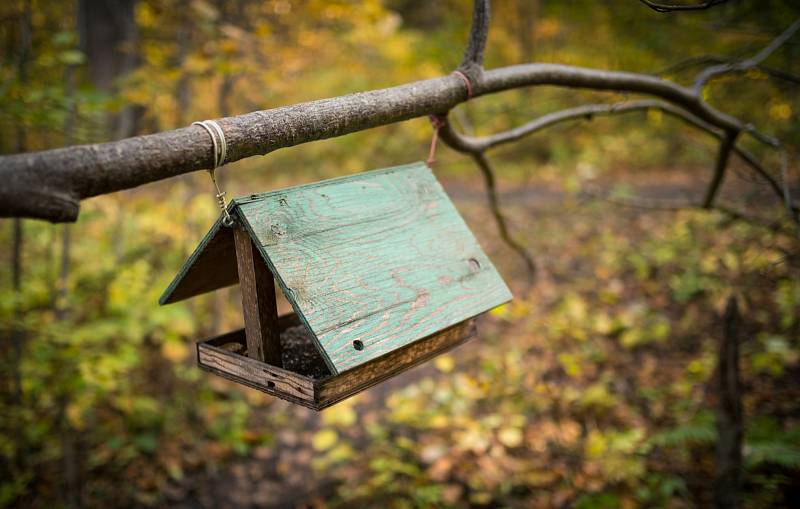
(437, 122)
(467, 82)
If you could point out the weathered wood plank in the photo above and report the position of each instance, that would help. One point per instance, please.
(336, 388)
(258, 302)
(220, 355)
(211, 266)
(373, 262)
(256, 374)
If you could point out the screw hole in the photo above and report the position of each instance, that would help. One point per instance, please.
(474, 264)
(358, 345)
(270, 384)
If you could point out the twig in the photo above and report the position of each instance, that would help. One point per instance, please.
(749, 63)
(690, 62)
(469, 144)
(494, 206)
(652, 204)
(659, 7)
(773, 226)
(725, 147)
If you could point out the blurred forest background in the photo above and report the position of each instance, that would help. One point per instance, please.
(594, 388)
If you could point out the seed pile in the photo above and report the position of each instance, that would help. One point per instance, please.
(300, 355)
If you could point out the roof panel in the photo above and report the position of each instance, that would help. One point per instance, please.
(382, 258)
(212, 265)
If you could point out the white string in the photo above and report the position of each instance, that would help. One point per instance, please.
(220, 153)
(221, 148)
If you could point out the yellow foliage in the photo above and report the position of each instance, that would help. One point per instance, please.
(175, 351)
(780, 111)
(445, 363)
(340, 415)
(510, 437)
(324, 439)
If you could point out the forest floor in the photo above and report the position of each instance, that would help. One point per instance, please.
(284, 473)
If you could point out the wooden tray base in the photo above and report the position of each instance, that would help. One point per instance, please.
(225, 356)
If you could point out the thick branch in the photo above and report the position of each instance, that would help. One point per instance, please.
(517, 76)
(50, 184)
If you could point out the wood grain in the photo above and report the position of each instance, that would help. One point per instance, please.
(382, 258)
(212, 265)
(217, 356)
(271, 379)
(258, 302)
(336, 388)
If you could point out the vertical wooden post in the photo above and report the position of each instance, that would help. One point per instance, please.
(258, 301)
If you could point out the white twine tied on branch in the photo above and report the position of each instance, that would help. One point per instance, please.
(220, 152)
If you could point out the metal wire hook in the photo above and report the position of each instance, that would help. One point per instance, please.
(220, 152)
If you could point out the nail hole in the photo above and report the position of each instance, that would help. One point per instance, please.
(270, 384)
(358, 345)
(474, 264)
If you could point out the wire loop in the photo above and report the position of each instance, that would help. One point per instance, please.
(220, 153)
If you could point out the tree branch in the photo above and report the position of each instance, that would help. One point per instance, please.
(494, 206)
(698, 60)
(50, 184)
(749, 63)
(659, 7)
(640, 202)
(478, 34)
(471, 145)
(728, 141)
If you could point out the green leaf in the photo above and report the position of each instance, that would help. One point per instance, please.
(72, 57)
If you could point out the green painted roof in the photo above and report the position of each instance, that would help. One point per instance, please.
(382, 257)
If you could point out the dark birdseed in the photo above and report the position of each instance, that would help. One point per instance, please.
(300, 355)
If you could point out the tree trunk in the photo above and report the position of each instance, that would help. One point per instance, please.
(729, 413)
(109, 38)
(183, 86)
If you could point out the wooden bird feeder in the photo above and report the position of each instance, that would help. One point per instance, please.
(379, 267)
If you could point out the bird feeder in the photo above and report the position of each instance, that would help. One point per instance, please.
(379, 267)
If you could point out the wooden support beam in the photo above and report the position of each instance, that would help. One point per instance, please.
(258, 301)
